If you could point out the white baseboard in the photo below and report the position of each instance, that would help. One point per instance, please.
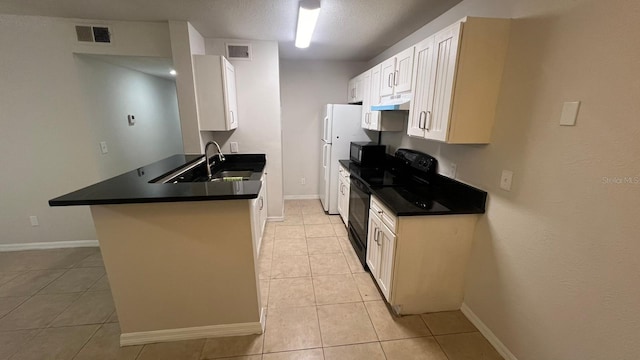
(201, 332)
(301, 197)
(275, 218)
(491, 337)
(48, 245)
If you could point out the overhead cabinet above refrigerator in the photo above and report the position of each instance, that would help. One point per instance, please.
(215, 80)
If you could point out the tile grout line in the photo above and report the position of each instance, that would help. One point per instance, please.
(87, 341)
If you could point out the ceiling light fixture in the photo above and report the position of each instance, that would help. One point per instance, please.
(308, 12)
(172, 72)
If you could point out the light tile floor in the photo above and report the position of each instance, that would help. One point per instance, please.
(56, 304)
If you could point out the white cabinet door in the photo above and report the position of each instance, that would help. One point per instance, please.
(341, 196)
(374, 98)
(356, 89)
(347, 189)
(387, 70)
(231, 96)
(404, 69)
(351, 91)
(387, 245)
(423, 72)
(373, 245)
(446, 56)
(366, 99)
(215, 86)
(263, 205)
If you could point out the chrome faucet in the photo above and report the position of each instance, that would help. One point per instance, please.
(220, 156)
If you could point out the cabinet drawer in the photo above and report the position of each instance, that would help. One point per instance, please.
(386, 215)
(344, 173)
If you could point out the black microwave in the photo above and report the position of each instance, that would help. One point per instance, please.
(368, 154)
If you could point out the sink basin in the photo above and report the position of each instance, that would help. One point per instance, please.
(233, 174)
(197, 172)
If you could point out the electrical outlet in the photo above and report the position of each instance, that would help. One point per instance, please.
(454, 170)
(234, 147)
(303, 181)
(506, 179)
(103, 147)
(34, 220)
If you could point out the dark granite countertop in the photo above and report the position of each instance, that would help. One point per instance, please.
(405, 197)
(135, 187)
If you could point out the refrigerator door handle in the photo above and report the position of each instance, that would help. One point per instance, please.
(326, 129)
(324, 155)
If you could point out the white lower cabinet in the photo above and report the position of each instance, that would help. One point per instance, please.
(419, 262)
(381, 243)
(258, 209)
(344, 186)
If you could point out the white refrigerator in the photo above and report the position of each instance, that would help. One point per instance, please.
(341, 126)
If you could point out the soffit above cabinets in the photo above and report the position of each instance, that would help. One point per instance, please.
(355, 30)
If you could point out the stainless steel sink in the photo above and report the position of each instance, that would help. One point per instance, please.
(196, 172)
(233, 174)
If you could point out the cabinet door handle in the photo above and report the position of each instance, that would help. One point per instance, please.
(261, 203)
(420, 126)
(378, 237)
(379, 212)
(375, 234)
(233, 118)
(428, 121)
(389, 80)
(395, 78)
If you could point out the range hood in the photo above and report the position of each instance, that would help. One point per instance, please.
(400, 102)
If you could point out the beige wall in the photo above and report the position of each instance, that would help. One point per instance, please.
(554, 271)
(259, 124)
(195, 276)
(185, 42)
(306, 86)
(46, 149)
(112, 92)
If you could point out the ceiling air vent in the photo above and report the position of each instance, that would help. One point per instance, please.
(93, 34)
(239, 51)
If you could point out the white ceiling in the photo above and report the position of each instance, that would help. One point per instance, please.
(346, 30)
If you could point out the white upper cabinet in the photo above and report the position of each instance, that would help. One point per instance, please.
(375, 120)
(456, 80)
(374, 98)
(215, 81)
(396, 73)
(366, 98)
(356, 89)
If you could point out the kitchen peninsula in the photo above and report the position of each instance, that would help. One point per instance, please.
(181, 257)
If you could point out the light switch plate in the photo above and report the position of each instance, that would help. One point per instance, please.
(234, 147)
(103, 147)
(506, 179)
(569, 113)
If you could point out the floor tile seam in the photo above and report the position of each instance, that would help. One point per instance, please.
(96, 281)
(366, 309)
(201, 352)
(86, 342)
(279, 352)
(48, 326)
(52, 280)
(33, 336)
(439, 345)
(419, 337)
(15, 307)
